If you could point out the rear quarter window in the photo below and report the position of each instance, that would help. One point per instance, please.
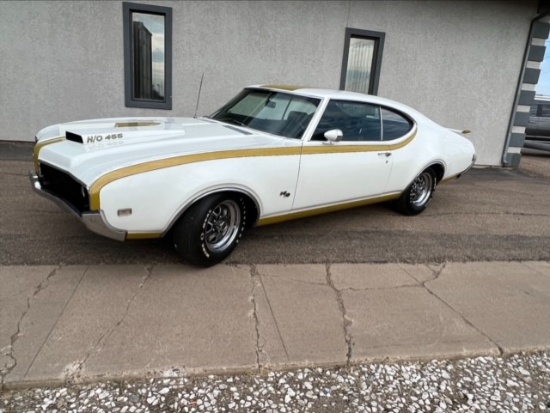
(394, 124)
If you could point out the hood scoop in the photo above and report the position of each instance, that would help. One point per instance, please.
(70, 136)
(103, 134)
(96, 132)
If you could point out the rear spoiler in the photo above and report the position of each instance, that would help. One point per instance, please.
(461, 132)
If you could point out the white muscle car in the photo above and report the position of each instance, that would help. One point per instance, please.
(271, 154)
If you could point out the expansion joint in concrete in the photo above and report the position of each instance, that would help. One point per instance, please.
(4, 372)
(395, 287)
(254, 280)
(345, 319)
(438, 273)
(259, 277)
(73, 375)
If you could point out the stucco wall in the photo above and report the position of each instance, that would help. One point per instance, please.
(458, 62)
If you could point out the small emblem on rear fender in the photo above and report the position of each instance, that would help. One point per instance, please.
(285, 194)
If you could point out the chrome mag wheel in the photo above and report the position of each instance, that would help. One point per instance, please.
(222, 225)
(421, 189)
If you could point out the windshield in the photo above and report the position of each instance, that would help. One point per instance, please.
(278, 113)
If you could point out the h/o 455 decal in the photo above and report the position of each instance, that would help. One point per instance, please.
(100, 138)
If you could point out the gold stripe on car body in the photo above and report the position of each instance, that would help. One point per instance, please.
(324, 210)
(231, 154)
(289, 217)
(177, 161)
(328, 148)
(39, 146)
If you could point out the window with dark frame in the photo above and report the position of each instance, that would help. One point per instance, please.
(394, 125)
(147, 56)
(361, 121)
(362, 61)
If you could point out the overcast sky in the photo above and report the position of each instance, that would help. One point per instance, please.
(543, 87)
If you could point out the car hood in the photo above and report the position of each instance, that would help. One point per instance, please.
(95, 147)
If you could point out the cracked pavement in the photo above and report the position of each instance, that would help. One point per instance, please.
(74, 324)
(470, 276)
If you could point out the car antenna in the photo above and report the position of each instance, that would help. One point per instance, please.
(199, 96)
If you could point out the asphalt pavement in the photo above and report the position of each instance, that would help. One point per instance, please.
(487, 215)
(470, 276)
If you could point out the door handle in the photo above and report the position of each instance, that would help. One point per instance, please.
(386, 154)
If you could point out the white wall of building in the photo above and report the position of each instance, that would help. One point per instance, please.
(457, 62)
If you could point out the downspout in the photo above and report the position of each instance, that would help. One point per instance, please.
(518, 88)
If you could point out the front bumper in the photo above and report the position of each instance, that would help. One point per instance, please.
(94, 221)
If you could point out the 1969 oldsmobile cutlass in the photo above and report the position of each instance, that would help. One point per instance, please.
(271, 154)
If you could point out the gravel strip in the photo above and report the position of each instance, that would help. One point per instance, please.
(519, 383)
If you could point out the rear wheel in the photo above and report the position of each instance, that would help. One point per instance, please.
(210, 229)
(418, 194)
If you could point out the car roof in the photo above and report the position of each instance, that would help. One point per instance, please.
(340, 94)
(313, 91)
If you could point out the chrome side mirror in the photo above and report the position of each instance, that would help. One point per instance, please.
(334, 135)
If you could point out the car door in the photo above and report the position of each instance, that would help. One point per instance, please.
(353, 169)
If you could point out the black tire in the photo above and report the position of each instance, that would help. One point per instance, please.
(418, 194)
(210, 229)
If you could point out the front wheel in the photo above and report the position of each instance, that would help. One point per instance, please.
(418, 194)
(210, 229)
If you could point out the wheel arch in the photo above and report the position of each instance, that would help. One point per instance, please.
(251, 201)
(437, 166)
(439, 170)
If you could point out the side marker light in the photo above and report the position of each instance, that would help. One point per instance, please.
(124, 212)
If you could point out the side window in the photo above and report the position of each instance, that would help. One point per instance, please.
(147, 56)
(357, 120)
(362, 61)
(394, 125)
